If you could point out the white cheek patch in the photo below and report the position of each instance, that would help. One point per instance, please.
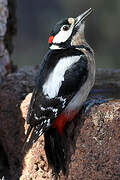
(55, 47)
(52, 85)
(62, 36)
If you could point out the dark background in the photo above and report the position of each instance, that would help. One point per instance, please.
(37, 17)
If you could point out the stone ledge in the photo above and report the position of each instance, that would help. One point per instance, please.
(97, 154)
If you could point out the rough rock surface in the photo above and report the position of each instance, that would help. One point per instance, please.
(8, 30)
(97, 154)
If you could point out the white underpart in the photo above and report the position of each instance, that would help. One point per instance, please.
(56, 77)
(62, 35)
(79, 98)
(81, 95)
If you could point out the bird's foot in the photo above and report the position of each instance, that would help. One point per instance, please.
(88, 104)
(55, 176)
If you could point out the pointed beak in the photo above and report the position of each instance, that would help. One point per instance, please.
(83, 16)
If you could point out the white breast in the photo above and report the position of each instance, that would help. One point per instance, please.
(52, 85)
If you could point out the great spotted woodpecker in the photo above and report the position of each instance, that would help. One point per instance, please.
(65, 78)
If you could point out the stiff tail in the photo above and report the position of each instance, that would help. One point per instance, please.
(56, 151)
(26, 137)
(34, 133)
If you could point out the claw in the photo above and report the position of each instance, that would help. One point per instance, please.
(88, 104)
(55, 176)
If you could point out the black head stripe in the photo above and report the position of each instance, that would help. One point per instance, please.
(67, 45)
(58, 26)
(84, 47)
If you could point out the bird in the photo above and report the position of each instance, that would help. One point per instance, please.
(65, 77)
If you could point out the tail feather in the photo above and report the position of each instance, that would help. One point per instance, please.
(26, 136)
(56, 151)
(36, 132)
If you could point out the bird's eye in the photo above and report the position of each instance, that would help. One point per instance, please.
(65, 27)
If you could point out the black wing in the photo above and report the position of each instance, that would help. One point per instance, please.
(75, 77)
(44, 111)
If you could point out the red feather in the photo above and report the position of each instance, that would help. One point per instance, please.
(63, 119)
(50, 39)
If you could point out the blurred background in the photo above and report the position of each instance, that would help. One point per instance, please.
(36, 19)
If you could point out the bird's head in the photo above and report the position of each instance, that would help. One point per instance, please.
(68, 32)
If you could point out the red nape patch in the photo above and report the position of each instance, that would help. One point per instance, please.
(63, 119)
(50, 39)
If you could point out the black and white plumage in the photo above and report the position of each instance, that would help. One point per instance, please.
(65, 78)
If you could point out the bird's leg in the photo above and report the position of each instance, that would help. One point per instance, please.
(55, 176)
(89, 103)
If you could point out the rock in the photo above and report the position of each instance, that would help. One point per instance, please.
(97, 152)
(8, 30)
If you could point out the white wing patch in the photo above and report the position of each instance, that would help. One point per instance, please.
(52, 85)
